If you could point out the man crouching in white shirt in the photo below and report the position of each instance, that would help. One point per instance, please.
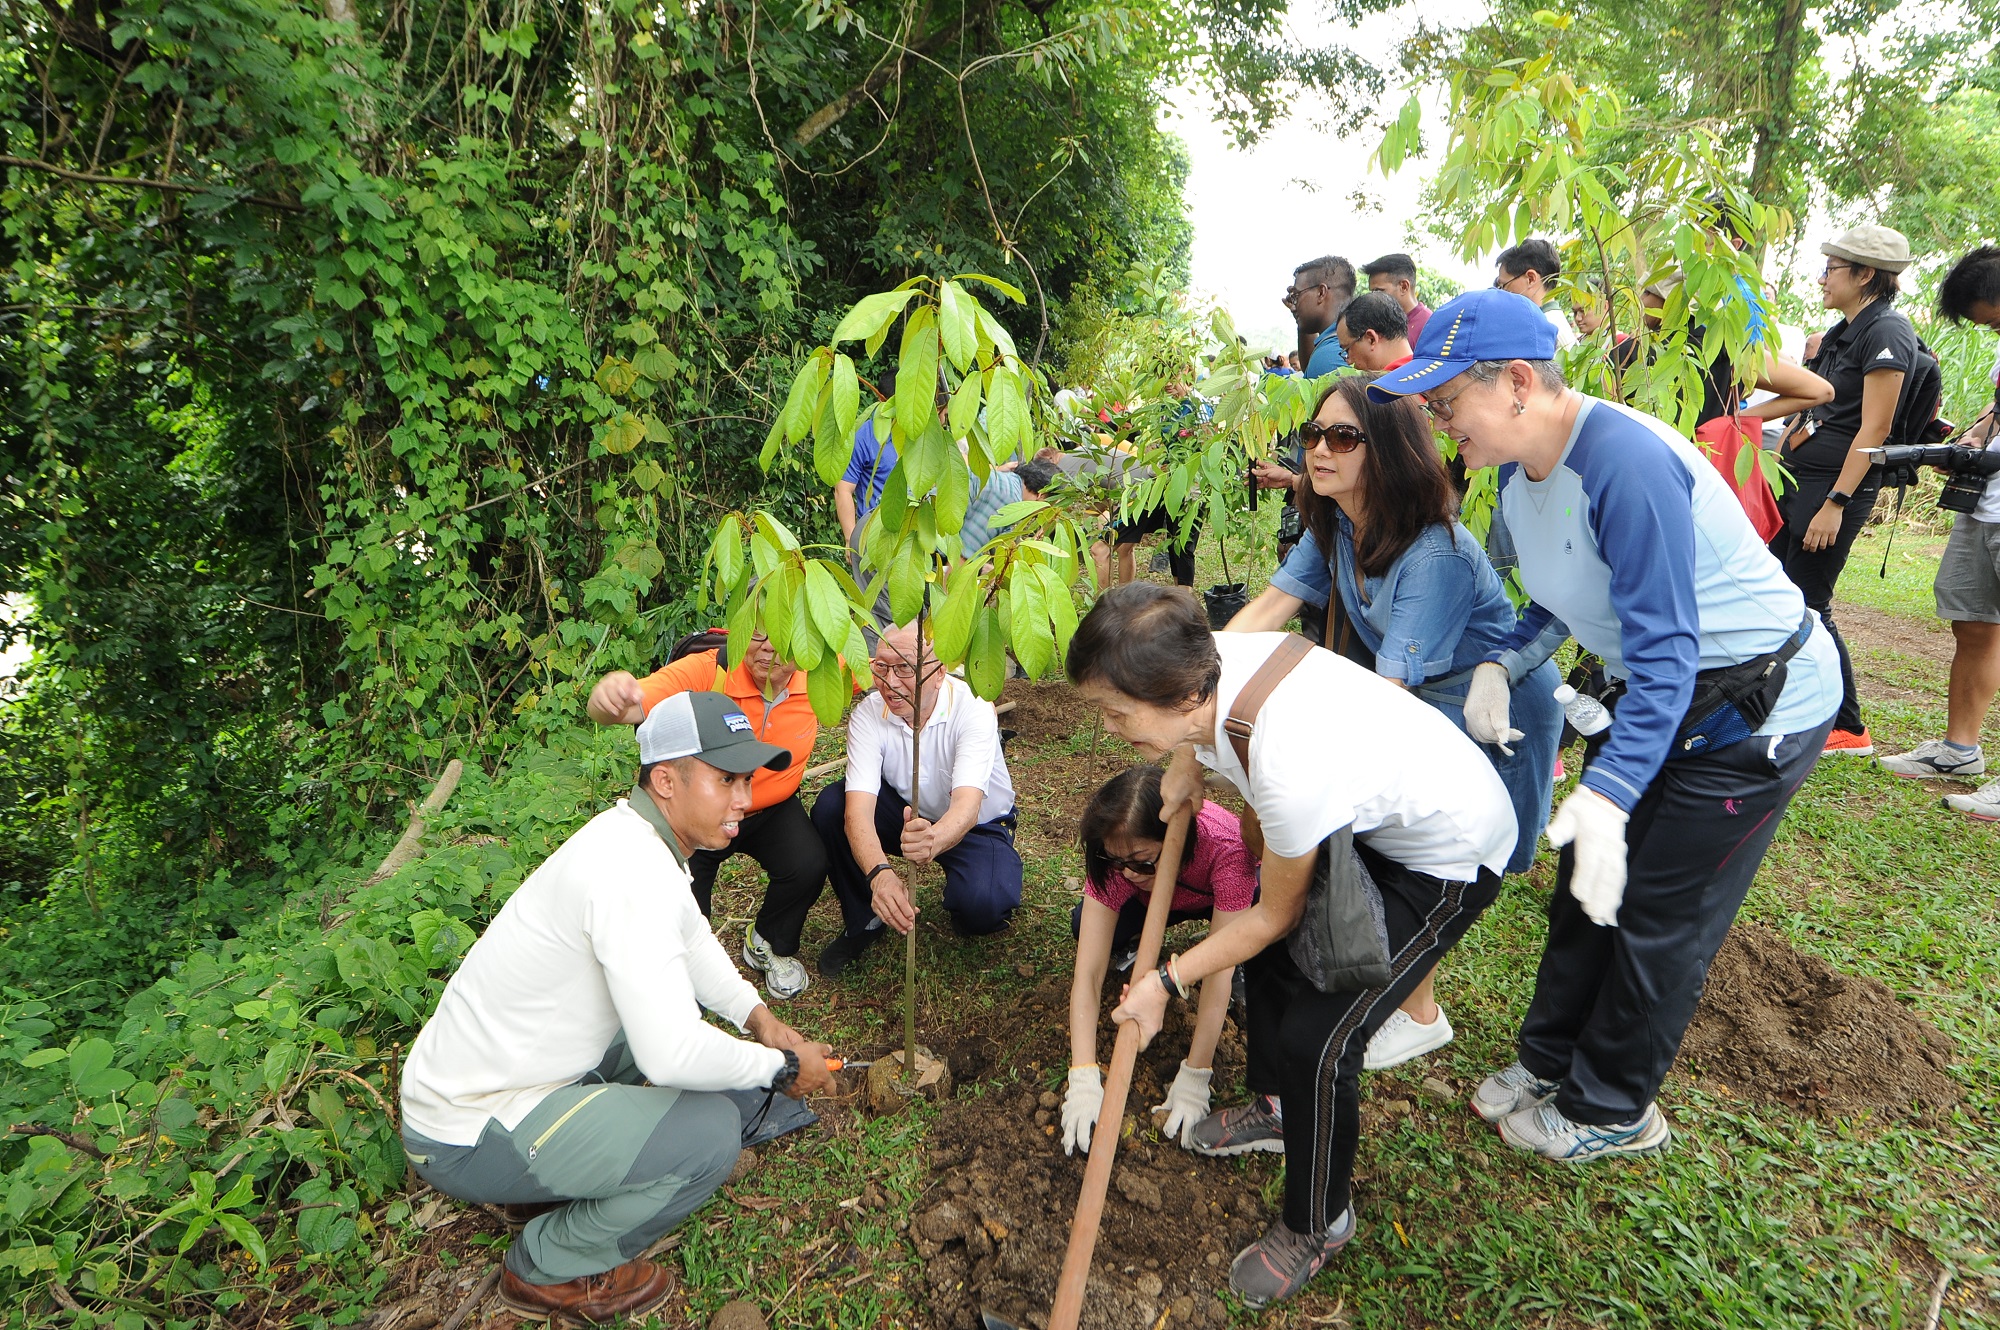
(567, 1073)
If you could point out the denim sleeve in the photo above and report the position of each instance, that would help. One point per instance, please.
(1305, 573)
(1428, 611)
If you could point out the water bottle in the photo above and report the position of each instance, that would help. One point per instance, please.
(1587, 715)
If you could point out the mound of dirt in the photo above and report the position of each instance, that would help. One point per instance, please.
(993, 1232)
(1047, 710)
(1779, 1026)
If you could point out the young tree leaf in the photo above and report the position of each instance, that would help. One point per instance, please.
(986, 658)
(916, 376)
(1010, 513)
(846, 389)
(826, 689)
(964, 412)
(954, 496)
(828, 606)
(1007, 289)
(1028, 622)
(804, 396)
(833, 447)
(956, 323)
(871, 315)
(906, 578)
(951, 624)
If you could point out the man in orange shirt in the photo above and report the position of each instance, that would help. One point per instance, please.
(777, 833)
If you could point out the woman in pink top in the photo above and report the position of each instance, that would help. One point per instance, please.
(1122, 837)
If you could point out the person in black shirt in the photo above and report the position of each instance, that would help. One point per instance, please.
(1866, 357)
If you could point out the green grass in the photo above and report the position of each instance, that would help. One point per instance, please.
(1757, 1218)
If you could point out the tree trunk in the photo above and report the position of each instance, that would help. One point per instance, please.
(1773, 153)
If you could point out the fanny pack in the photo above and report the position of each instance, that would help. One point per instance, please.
(1730, 702)
(1342, 943)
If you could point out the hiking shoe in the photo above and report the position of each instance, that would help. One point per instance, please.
(1846, 743)
(1508, 1092)
(846, 949)
(1278, 1264)
(516, 1214)
(632, 1289)
(1542, 1129)
(784, 976)
(1935, 757)
(1983, 804)
(1403, 1037)
(1239, 1130)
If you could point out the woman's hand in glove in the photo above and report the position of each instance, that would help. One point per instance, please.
(1597, 878)
(1083, 1100)
(1187, 1103)
(1486, 703)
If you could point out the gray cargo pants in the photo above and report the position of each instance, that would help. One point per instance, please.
(633, 1160)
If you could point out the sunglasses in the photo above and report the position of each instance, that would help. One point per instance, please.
(1339, 439)
(1141, 867)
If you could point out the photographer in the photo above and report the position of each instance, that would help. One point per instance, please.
(1968, 578)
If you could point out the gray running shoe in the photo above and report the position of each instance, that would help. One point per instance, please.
(1982, 804)
(1543, 1130)
(1508, 1092)
(784, 976)
(1239, 1130)
(1278, 1264)
(1935, 757)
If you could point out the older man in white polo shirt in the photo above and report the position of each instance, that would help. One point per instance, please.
(963, 818)
(567, 1074)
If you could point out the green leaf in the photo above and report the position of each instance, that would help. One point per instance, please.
(954, 496)
(986, 658)
(1062, 611)
(825, 602)
(245, 1236)
(42, 1057)
(956, 323)
(439, 938)
(1007, 289)
(1003, 341)
(906, 579)
(833, 447)
(797, 415)
(951, 625)
(622, 433)
(926, 458)
(89, 1058)
(845, 386)
(826, 689)
(1028, 622)
(871, 315)
(780, 596)
(916, 376)
(1006, 413)
(196, 1227)
(1010, 513)
(964, 413)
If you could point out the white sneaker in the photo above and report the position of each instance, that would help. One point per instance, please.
(1934, 757)
(784, 976)
(1403, 1037)
(1983, 804)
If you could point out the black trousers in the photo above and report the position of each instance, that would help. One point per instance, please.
(982, 873)
(1132, 922)
(782, 840)
(1816, 574)
(1180, 555)
(1305, 1046)
(1611, 1004)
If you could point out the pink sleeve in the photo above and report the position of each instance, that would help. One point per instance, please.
(1232, 878)
(1111, 895)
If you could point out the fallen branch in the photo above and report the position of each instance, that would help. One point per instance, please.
(1937, 1299)
(406, 847)
(473, 1299)
(71, 1139)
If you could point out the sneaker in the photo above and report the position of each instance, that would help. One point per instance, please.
(784, 976)
(1935, 757)
(1403, 1037)
(1846, 743)
(847, 948)
(1507, 1092)
(1982, 804)
(1239, 1130)
(1123, 960)
(1542, 1129)
(1278, 1264)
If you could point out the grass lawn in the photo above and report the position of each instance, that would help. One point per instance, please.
(1759, 1216)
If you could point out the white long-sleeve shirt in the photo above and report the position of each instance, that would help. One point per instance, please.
(604, 936)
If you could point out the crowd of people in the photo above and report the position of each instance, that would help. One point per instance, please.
(1393, 769)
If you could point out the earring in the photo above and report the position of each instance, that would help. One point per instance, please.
(1519, 406)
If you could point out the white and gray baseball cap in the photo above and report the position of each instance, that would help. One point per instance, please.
(711, 727)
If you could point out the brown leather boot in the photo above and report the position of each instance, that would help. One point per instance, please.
(518, 1215)
(632, 1289)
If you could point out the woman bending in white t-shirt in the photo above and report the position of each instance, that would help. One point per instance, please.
(1335, 747)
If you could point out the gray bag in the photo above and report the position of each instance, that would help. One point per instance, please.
(1342, 943)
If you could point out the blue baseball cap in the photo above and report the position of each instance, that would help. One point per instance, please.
(1488, 324)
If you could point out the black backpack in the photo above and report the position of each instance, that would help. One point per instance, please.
(708, 639)
(1916, 420)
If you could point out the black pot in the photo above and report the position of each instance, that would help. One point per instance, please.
(1224, 603)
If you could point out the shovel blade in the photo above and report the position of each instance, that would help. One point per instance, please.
(993, 1321)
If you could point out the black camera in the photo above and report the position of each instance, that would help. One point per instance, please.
(1967, 469)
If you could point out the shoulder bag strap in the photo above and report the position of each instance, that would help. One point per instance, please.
(1243, 712)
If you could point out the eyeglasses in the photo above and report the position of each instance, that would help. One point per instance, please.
(1139, 867)
(1832, 268)
(1441, 407)
(1339, 439)
(1507, 283)
(1292, 293)
(896, 669)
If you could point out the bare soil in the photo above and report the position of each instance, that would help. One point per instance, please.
(1782, 1027)
(997, 1223)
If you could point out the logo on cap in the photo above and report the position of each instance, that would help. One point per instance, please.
(736, 720)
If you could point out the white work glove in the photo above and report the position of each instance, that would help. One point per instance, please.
(1187, 1103)
(1486, 703)
(1597, 878)
(1083, 1100)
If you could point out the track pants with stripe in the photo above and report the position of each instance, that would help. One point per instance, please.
(1306, 1046)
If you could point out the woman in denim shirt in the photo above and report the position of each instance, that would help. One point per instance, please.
(1421, 600)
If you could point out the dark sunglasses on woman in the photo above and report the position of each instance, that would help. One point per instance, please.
(1342, 438)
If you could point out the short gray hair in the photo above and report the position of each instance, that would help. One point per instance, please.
(1547, 371)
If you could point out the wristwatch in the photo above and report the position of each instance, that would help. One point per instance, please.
(787, 1073)
(875, 872)
(1837, 499)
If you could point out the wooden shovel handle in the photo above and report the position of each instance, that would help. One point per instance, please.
(1104, 1139)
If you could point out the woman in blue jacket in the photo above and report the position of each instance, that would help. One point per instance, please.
(1421, 604)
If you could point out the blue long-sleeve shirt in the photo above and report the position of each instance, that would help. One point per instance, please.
(1635, 546)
